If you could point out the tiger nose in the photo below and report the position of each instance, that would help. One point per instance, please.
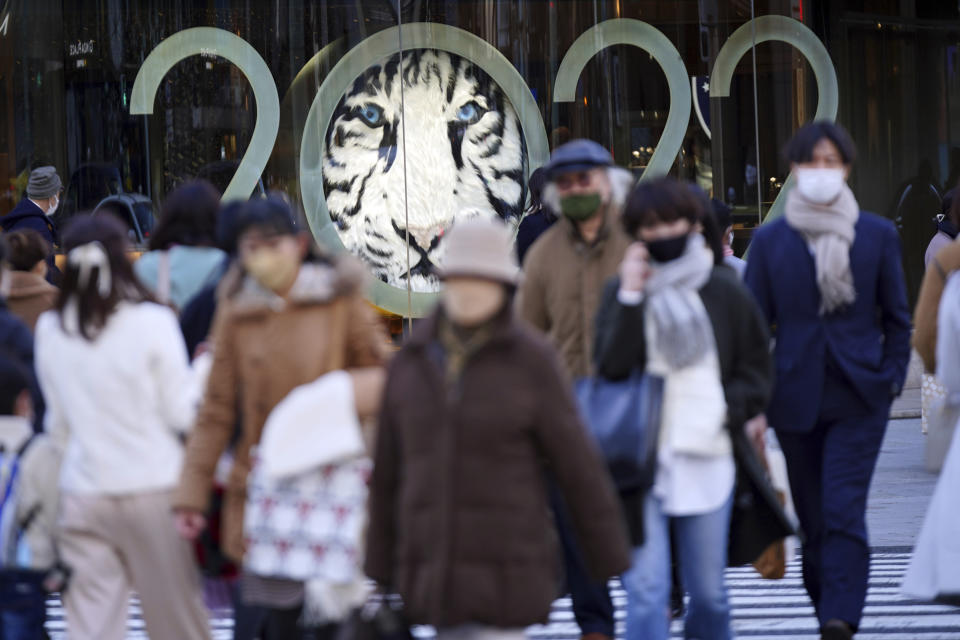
(425, 237)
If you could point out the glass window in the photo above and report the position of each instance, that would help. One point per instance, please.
(387, 121)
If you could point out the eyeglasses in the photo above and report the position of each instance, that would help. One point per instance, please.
(568, 180)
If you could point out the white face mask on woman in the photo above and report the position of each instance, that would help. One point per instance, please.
(820, 185)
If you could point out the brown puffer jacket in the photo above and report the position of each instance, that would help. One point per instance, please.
(30, 295)
(460, 521)
(263, 349)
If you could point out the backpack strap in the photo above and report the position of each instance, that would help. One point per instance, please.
(163, 277)
(7, 491)
(26, 445)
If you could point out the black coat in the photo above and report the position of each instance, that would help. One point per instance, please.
(531, 228)
(196, 317)
(16, 342)
(747, 377)
(27, 215)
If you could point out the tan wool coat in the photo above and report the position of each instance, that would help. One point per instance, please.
(30, 295)
(562, 285)
(924, 340)
(264, 347)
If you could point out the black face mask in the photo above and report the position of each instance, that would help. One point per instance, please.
(667, 249)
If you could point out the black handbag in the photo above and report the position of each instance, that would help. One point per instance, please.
(20, 587)
(624, 419)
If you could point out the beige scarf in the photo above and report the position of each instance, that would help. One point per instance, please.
(829, 230)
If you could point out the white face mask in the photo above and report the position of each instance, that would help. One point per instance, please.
(53, 208)
(820, 186)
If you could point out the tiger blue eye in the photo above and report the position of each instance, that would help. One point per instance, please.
(469, 113)
(372, 114)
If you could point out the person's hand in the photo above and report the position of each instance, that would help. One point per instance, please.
(189, 523)
(756, 430)
(201, 349)
(635, 268)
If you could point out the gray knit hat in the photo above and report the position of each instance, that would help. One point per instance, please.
(44, 183)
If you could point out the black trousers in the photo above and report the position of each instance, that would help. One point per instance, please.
(592, 606)
(830, 469)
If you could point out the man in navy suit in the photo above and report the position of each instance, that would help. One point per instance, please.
(829, 280)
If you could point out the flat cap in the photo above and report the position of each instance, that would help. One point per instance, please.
(577, 155)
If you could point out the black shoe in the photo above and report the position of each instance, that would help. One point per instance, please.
(836, 630)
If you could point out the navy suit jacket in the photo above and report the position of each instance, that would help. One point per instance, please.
(27, 215)
(869, 340)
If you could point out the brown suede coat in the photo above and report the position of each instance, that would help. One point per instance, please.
(264, 347)
(30, 295)
(924, 340)
(460, 519)
(562, 283)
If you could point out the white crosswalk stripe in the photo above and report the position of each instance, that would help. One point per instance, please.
(762, 610)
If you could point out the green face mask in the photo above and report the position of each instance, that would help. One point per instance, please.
(581, 206)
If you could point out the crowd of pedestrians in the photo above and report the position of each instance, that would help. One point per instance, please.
(231, 403)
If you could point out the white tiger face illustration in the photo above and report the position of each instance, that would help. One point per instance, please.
(464, 155)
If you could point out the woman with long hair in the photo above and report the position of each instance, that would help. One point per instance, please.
(183, 254)
(120, 400)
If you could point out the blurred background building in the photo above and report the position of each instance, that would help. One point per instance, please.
(67, 69)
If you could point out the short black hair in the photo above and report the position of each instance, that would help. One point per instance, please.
(272, 213)
(227, 226)
(951, 206)
(800, 147)
(722, 213)
(188, 217)
(275, 214)
(14, 380)
(710, 230)
(661, 200)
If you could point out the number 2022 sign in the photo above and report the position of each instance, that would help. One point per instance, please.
(479, 77)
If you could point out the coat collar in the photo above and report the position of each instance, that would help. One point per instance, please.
(428, 330)
(14, 431)
(24, 284)
(317, 283)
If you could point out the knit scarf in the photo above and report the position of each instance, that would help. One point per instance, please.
(684, 333)
(829, 230)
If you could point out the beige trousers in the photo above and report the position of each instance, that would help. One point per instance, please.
(116, 545)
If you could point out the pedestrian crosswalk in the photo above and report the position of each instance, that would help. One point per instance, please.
(762, 610)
